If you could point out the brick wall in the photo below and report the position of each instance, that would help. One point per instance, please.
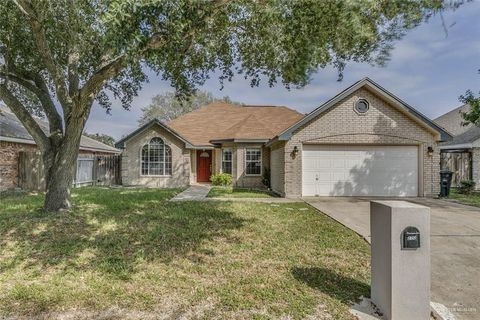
(277, 167)
(476, 167)
(382, 124)
(9, 163)
(240, 178)
(131, 161)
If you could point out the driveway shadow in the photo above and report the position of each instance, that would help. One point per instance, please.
(336, 285)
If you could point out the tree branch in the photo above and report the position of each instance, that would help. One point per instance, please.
(35, 84)
(110, 69)
(25, 117)
(46, 54)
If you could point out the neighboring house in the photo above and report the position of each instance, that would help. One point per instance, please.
(363, 141)
(461, 155)
(14, 138)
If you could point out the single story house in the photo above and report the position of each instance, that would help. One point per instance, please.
(461, 154)
(363, 142)
(14, 139)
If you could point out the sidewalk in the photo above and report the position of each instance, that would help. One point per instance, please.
(197, 192)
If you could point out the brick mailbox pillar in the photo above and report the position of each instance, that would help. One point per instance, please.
(400, 236)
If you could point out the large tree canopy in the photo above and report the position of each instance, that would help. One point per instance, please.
(58, 56)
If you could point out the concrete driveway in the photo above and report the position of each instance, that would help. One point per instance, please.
(455, 246)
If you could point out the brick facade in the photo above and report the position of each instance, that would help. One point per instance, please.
(476, 167)
(9, 163)
(131, 161)
(240, 179)
(383, 124)
(277, 167)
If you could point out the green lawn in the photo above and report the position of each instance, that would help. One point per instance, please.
(229, 192)
(470, 199)
(128, 253)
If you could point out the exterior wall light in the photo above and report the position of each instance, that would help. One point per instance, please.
(430, 151)
(294, 152)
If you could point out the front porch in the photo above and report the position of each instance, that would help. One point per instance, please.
(246, 162)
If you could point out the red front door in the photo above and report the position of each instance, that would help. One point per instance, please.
(204, 165)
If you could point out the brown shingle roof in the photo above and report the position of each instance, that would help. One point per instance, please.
(221, 121)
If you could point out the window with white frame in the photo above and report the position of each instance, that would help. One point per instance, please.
(253, 161)
(156, 158)
(227, 161)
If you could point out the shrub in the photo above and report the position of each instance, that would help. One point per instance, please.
(466, 186)
(221, 179)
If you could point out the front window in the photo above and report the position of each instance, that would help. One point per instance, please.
(227, 161)
(253, 160)
(156, 158)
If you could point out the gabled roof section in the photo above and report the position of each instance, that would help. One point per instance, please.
(452, 120)
(120, 144)
(12, 130)
(373, 86)
(220, 121)
(465, 139)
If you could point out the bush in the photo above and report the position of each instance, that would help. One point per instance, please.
(221, 179)
(466, 186)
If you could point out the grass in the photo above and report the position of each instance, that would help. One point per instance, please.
(229, 192)
(472, 199)
(129, 253)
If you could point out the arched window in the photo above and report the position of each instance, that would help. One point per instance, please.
(156, 158)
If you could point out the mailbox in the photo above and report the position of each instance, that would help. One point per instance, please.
(410, 238)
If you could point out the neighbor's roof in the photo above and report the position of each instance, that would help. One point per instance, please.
(452, 120)
(220, 121)
(11, 129)
(376, 88)
(463, 140)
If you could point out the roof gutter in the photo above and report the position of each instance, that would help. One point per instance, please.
(201, 147)
(456, 146)
(17, 140)
(240, 141)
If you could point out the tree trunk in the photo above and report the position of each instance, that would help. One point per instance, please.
(60, 163)
(59, 177)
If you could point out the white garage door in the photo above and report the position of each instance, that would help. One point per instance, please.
(360, 170)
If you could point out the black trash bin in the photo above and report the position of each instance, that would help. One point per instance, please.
(445, 182)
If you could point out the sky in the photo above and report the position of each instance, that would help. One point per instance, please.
(429, 69)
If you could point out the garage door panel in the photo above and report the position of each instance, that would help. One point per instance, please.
(360, 170)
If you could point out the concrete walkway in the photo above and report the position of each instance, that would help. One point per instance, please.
(199, 192)
(258, 200)
(455, 246)
(196, 192)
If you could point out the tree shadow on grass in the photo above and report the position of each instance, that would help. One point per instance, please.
(340, 287)
(113, 231)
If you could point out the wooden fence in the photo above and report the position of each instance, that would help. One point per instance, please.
(460, 163)
(31, 173)
(103, 170)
